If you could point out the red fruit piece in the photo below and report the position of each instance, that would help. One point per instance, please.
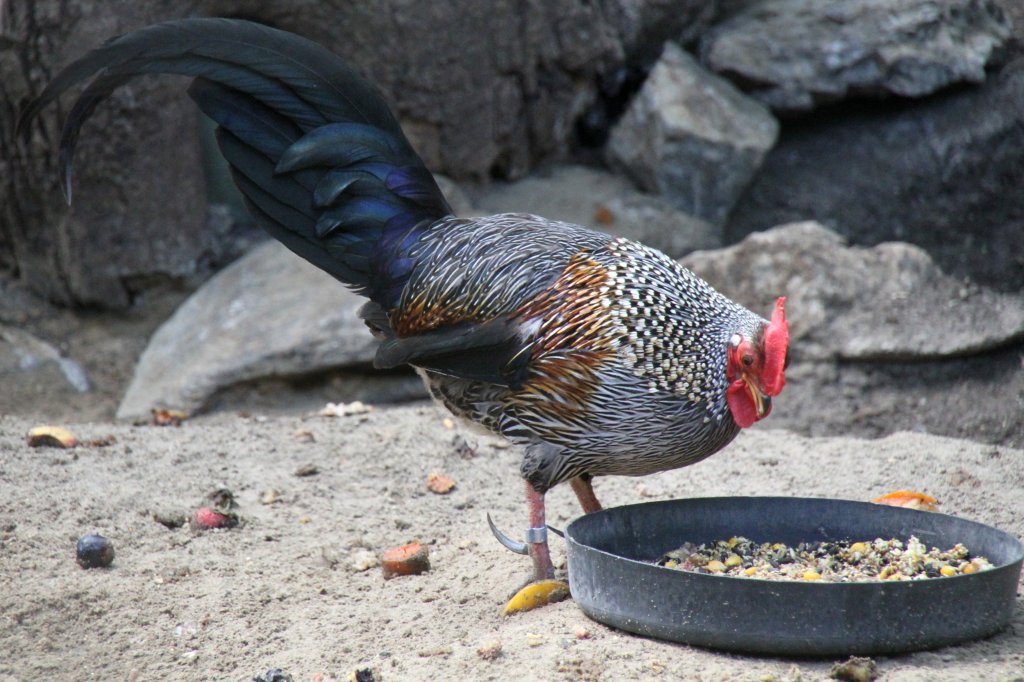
(411, 559)
(207, 518)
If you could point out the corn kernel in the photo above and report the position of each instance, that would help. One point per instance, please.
(733, 560)
(811, 575)
(750, 571)
(733, 541)
(947, 571)
(969, 568)
(858, 548)
(715, 566)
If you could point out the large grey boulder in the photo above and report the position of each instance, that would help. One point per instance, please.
(889, 302)
(794, 55)
(140, 211)
(482, 89)
(602, 201)
(945, 174)
(692, 137)
(881, 340)
(269, 314)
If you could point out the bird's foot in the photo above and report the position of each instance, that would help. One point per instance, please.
(540, 589)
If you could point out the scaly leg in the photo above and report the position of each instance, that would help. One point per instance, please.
(584, 489)
(542, 588)
(537, 537)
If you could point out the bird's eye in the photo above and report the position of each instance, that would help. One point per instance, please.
(748, 360)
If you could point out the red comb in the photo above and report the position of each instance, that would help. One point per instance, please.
(776, 344)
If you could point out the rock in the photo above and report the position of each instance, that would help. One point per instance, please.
(482, 89)
(603, 201)
(890, 302)
(140, 214)
(944, 174)
(691, 137)
(268, 314)
(27, 358)
(794, 55)
(882, 341)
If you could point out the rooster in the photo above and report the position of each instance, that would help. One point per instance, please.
(598, 355)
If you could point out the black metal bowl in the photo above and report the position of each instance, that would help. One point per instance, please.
(614, 580)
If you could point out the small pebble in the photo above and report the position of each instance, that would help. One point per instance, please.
(534, 640)
(94, 551)
(170, 519)
(274, 675)
(582, 633)
(304, 436)
(854, 669)
(270, 496)
(364, 675)
(307, 470)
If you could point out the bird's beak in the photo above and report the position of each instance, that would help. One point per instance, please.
(762, 401)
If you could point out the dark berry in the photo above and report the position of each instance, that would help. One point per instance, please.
(94, 551)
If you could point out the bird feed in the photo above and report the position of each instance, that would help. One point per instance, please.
(828, 561)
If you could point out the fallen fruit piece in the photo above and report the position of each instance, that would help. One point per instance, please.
(163, 417)
(540, 593)
(207, 518)
(439, 483)
(909, 499)
(344, 409)
(490, 651)
(51, 437)
(94, 551)
(410, 559)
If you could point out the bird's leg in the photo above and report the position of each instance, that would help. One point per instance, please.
(541, 588)
(584, 489)
(537, 536)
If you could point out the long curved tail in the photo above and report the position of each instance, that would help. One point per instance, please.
(321, 161)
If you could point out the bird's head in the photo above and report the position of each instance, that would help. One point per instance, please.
(756, 368)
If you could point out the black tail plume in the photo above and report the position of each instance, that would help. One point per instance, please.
(321, 161)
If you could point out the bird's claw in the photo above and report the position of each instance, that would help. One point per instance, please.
(506, 541)
(533, 536)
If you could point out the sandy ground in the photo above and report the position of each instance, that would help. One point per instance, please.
(290, 588)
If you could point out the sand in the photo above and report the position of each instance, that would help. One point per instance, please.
(294, 587)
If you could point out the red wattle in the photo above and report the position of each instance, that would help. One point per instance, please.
(741, 404)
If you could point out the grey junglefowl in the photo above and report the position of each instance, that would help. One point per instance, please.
(598, 355)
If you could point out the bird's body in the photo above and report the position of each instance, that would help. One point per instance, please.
(597, 354)
(601, 329)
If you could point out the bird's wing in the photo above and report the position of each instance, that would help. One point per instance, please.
(476, 301)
